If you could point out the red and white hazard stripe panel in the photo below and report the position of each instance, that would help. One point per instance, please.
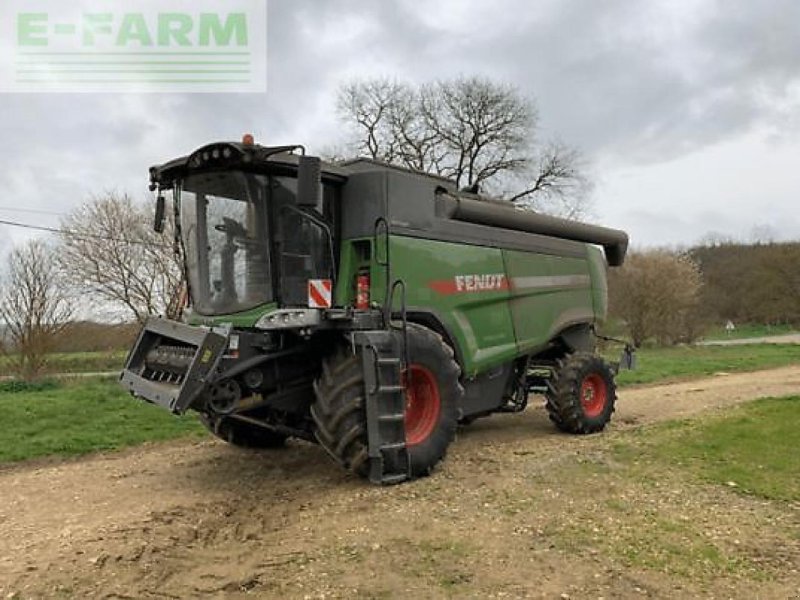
(320, 292)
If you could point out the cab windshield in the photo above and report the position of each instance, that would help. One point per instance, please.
(224, 228)
(231, 225)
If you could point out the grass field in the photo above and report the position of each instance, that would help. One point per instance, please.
(654, 364)
(682, 362)
(752, 448)
(77, 362)
(79, 417)
(748, 330)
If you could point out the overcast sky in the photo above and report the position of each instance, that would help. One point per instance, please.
(687, 110)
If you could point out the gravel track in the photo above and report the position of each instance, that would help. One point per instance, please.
(190, 519)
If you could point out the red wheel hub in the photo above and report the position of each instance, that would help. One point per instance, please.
(423, 404)
(594, 394)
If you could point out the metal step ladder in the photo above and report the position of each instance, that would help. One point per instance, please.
(380, 352)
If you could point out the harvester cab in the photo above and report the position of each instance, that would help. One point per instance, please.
(253, 228)
(368, 308)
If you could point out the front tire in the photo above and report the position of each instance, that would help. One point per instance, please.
(581, 394)
(433, 395)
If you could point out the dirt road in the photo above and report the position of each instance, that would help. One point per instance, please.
(786, 338)
(189, 519)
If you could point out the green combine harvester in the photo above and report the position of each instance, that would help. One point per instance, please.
(369, 308)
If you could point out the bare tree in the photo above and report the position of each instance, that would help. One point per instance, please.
(35, 306)
(482, 126)
(762, 233)
(368, 105)
(756, 283)
(474, 131)
(559, 186)
(111, 252)
(657, 295)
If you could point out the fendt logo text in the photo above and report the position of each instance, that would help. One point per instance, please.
(148, 46)
(491, 282)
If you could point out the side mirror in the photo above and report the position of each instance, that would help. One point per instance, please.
(158, 224)
(309, 180)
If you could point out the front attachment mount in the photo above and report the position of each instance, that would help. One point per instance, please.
(172, 363)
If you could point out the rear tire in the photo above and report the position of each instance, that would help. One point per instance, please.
(243, 435)
(582, 393)
(433, 396)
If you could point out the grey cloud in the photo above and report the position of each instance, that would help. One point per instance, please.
(630, 83)
(636, 80)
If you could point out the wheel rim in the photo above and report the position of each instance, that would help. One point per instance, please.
(423, 404)
(593, 395)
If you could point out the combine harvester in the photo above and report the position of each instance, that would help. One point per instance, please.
(369, 308)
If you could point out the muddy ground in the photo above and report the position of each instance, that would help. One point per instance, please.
(516, 510)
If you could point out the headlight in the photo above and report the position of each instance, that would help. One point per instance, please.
(290, 318)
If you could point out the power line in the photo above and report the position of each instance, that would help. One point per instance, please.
(33, 210)
(79, 236)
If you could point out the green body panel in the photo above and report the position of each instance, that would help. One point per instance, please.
(244, 319)
(350, 260)
(548, 294)
(439, 278)
(496, 304)
(598, 269)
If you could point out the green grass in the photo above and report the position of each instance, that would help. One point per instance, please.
(682, 362)
(748, 330)
(79, 417)
(15, 386)
(82, 416)
(87, 362)
(77, 362)
(654, 364)
(752, 448)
